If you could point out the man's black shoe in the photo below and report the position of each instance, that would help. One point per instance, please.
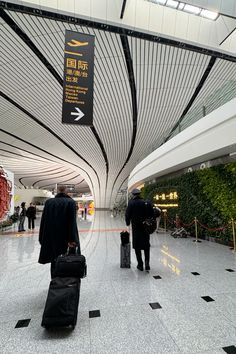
(147, 267)
(140, 267)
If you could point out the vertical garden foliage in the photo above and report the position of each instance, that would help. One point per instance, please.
(208, 194)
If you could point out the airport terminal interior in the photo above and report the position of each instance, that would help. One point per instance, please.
(114, 99)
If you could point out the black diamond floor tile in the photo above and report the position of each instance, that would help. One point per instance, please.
(230, 270)
(195, 273)
(230, 350)
(155, 305)
(157, 277)
(22, 323)
(95, 313)
(207, 298)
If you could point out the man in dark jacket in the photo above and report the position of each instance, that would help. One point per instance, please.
(58, 228)
(31, 215)
(137, 211)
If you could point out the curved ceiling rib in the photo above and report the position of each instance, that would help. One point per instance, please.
(41, 174)
(45, 173)
(45, 179)
(64, 182)
(126, 49)
(115, 29)
(30, 44)
(47, 152)
(29, 152)
(48, 129)
(136, 76)
(14, 153)
(195, 94)
(43, 59)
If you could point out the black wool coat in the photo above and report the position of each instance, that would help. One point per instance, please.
(137, 211)
(31, 212)
(58, 227)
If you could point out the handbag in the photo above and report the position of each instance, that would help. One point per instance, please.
(150, 223)
(71, 265)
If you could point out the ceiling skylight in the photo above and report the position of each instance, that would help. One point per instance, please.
(209, 14)
(172, 3)
(192, 9)
(179, 5)
(162, 2)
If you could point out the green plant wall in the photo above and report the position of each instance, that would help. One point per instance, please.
(208, 194)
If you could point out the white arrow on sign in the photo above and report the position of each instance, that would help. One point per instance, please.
(79, 114)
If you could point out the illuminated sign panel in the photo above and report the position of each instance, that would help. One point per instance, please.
(78, 79)
(167, 200)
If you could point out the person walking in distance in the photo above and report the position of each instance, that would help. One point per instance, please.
(58, 228)
(31, 215)
(22, 217)
(137, 211)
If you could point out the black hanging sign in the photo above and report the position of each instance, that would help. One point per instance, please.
(78, 79)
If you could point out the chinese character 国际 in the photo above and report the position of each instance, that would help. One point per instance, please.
(83, 65)
(71, 63)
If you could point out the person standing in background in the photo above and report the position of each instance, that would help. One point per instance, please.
(22, 217)
(85, 210)
(157, 215)
(137, 211)
(31, 215)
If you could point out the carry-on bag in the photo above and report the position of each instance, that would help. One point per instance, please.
(125, 255)
(71, 265)
(124, 237)
(62, 302)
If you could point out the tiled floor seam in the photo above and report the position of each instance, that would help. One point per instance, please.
(90, 336)
(167, 331)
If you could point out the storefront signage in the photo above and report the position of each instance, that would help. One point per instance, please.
(78, 79)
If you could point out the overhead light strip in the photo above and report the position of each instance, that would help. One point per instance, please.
(194, 10)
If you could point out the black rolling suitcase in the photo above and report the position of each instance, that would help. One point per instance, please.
(124, 250)
(62, 302)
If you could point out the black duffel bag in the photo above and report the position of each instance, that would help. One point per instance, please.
(71, 265)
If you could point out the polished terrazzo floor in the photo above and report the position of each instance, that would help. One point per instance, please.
(162, 311)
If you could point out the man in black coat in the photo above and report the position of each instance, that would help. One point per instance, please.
(137, 211)
(31, 215)
(58, 228)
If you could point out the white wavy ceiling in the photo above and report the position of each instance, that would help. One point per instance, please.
(165, 78)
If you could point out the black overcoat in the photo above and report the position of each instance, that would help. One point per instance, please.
(137, 211)
(58, 227)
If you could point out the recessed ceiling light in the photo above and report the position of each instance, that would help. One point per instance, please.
(172, 3)
(209, 14)
(192, 9)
